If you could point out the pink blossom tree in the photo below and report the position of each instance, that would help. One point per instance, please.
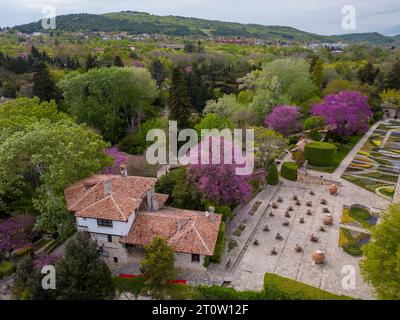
(16, 232)
(349, 111)
(119, 159)
(284, 119)
(219, 182)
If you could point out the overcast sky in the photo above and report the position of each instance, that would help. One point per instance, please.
(318, 16)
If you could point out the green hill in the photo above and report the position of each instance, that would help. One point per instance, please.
(139, 22)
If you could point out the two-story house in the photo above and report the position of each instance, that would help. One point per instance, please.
(123, 213)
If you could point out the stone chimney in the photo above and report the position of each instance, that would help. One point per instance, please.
(211, 213)
(178, 225)
(107, 187)
(123, 170)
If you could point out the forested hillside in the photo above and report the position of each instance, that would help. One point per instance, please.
(138, 22)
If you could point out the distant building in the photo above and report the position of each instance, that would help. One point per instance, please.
(176, 47)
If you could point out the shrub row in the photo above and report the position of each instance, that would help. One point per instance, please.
(320, 154)
(289, 170)
(281, 288)
(222, 293)
(134, 285)
(275, 288)
(219, 247)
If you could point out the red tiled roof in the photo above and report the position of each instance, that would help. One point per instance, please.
(185, 230)
(88, 197)
(161, 199)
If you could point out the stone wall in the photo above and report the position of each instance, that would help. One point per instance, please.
(112, 250)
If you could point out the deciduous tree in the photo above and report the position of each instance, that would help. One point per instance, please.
(382, 256)
(158, 267)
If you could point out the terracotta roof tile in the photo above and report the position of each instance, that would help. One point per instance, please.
(88, 197)
(185, 230)
(161, 199)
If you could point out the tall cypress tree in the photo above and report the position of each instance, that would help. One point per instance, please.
(178, 100)
(91, 62)
(44, 86)
(317, 74)
(393, 78)
(367, 74)
(198, 89)
(158, 72)
(118, 61)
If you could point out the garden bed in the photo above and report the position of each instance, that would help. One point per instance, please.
(255, 207)
(352, 241)
(358, 217)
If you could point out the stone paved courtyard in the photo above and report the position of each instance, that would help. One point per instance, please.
(257, 260)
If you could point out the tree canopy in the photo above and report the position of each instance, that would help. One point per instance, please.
(112, 100)
(381, 266)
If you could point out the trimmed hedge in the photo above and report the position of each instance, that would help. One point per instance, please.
(6, 269)
(280, 288)
(219, 247)
(289, 170)
(320, 154)
(134, 285)
(275, 288)
(273, 175)
(223, 293)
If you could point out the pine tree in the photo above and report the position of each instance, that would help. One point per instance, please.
(393, 78)
(198, 90)
(178, 100)
(81, 274)
(44, 86)
(118, 61)
(159, 72)
(91, 62)
(367, 74)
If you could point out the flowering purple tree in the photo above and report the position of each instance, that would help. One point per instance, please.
(219, 182)
(284, 119)
(16, 232)
(46, 259)
(349, 111)
(119, 158)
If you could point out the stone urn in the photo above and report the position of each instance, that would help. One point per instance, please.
(333, 189)
(328, 219)
(318, 257)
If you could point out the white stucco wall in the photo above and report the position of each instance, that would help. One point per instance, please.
(119, 228)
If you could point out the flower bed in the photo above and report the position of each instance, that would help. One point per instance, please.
(358, 216)
(352, 241)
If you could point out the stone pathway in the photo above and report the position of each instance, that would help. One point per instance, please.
(349, 158)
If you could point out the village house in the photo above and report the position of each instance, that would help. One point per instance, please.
(123, 213)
